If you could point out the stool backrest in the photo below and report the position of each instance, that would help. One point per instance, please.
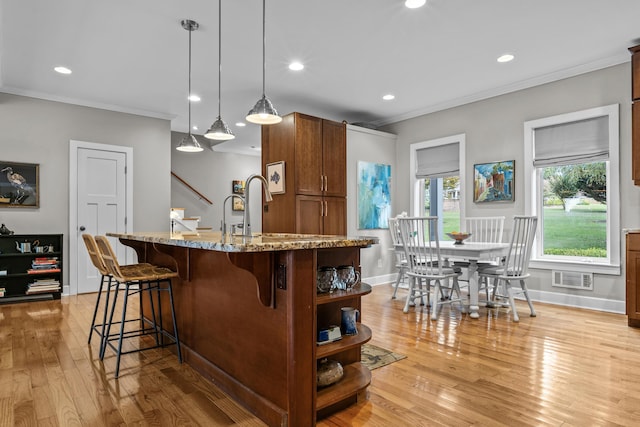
(109, 257)
(94, 254)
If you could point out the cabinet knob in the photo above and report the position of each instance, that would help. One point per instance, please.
(82, 228)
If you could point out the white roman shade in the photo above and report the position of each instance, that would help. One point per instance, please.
(581, 141)
(438, 161)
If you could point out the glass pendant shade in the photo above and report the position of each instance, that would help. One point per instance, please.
(264, 113)
(219, 131)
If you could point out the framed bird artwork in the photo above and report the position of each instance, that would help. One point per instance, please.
(19, 185)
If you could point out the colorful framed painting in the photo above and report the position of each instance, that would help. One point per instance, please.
(237, 187)
(238, 204)
(494, 182)
(275, 177)
(19, 185)
(374, 195)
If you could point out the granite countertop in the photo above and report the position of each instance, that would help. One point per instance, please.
(259, 242)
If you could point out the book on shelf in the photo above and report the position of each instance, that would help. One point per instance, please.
(43, 285)
(44, 262)
(43, 270)
(44, 282)
(43, 289)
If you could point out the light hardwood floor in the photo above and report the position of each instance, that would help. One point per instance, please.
(566, 367)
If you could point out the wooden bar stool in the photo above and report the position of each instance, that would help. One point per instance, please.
(138, 279)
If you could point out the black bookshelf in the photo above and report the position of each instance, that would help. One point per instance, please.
(31, 275)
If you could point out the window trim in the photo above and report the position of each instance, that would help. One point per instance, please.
(415, 182)
(534, 201)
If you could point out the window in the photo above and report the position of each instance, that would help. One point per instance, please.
(571, 168)
(437, 174)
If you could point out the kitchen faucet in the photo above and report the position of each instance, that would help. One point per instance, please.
(246, 227)
(223, 226)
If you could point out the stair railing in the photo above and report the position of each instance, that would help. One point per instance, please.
(186, 184)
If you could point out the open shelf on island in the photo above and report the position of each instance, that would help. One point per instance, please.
(345, 343)
(356, 377)
(329, 297)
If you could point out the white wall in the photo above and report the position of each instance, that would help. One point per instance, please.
(38, 131)
(494, 131)
(211, 174)
(378, 263)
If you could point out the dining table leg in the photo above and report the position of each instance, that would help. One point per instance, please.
(473, 289)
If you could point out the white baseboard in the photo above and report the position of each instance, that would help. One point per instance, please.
(380, 280)
(577, 301)
(590, 303)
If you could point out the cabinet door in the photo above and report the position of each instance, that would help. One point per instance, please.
(335, 216)
(308, 146)
(635, 76)
(633, 278)
(309, 214)
(635, 142)
(334, 157)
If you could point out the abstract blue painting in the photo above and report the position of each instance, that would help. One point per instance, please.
(374, 195)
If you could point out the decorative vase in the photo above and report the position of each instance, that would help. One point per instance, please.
(329, 372)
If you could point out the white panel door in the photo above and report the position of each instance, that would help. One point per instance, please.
(102, 188)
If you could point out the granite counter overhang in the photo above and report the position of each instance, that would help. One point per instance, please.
(259, 242)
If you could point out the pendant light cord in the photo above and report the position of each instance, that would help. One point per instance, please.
(264, 43)
(219, 55)
(190, 29)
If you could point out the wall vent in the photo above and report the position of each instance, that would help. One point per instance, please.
(572, 279)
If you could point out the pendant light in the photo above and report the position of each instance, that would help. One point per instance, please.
(263, 113)
(219, 130)
(189, 143)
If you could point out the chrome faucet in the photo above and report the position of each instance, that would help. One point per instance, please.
(223, 226)
(246, 227)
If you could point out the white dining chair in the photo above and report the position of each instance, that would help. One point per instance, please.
(401, 259)
(515, 266)
(487, 229)
(419, 237)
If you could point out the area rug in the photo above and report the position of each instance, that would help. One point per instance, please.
(374, 357)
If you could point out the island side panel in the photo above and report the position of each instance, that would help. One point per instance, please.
(263, 356)
(301, 297)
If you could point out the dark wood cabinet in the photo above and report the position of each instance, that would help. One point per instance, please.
(320, 215)
(32, 274)
(334, 158)
(315, 154)
(635, 129)
(633, 277)
(635, 72)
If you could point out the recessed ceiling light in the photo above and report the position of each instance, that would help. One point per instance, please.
(296, 66)
(388, 97)
(507, 57)
(194, 127)
(62, 70)
(241, 124)
(194, 98)
(414, 4)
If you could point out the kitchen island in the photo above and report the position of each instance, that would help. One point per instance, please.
(248, 315)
